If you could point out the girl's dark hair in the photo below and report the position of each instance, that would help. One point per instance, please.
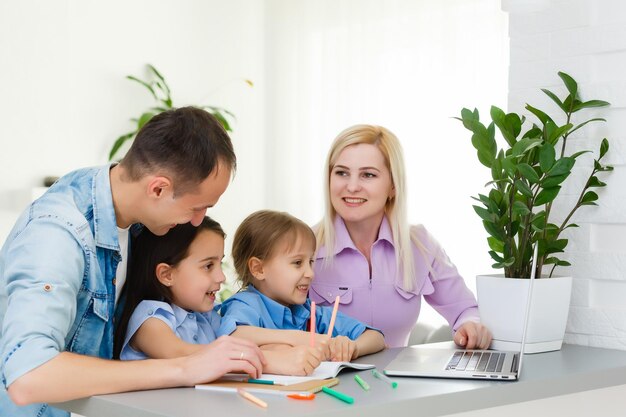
(259, 236)
(147, 251)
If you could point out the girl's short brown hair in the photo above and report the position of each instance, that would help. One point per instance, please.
(260, 234)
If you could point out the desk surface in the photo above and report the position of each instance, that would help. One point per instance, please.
(570, 370)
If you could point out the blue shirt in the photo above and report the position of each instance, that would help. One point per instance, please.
(57, 271)
(252, 308)
(192, 327)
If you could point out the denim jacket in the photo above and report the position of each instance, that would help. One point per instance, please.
(57, 271)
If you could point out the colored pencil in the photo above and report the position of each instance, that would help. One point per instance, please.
(312, 324)
(251, 398)
(333, 317)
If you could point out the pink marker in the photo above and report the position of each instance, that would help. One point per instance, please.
(312, 329)
(333, 317)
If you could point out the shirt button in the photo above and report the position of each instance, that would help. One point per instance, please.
(195, 337)
(47, 287)
(330, 294)
(150, 312)
(114, 281)
(190, 315)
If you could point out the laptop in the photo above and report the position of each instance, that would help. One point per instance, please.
(424, 361)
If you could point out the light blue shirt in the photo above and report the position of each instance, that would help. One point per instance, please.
(57, 270)
(192, 327)
(252, 308)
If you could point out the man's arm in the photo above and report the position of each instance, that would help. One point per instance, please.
(69, 376)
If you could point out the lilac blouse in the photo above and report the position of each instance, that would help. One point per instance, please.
(379, 300)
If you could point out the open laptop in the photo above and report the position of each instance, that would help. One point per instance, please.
(422, 361)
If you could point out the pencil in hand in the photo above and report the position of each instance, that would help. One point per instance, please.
(333, 317)
(312, 325)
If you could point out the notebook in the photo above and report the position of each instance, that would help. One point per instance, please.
(422, 361)
(324, 375)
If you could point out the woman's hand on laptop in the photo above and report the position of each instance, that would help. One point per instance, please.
(472, 335)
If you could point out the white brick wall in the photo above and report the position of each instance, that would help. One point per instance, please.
(587, 39)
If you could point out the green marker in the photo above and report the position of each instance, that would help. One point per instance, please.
(260, 381)
(384, 377)
(339, 395)
(361, 382)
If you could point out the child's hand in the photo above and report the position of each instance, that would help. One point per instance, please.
(342, 349)
(297, 360)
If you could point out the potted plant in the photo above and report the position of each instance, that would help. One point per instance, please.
(527, 174)
(160, 91)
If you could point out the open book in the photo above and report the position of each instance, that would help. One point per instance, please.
(324, 375)
(326, 370)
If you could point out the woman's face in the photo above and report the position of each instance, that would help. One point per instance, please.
(360, 184)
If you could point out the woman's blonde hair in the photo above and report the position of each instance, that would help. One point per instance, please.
(260, 235)
(395, 208)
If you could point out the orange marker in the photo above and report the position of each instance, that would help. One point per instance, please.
(252, 398)
(333, 317)
(312, 329)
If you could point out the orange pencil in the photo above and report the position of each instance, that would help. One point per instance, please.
(333, 317)
(312, 329)
(250, 397)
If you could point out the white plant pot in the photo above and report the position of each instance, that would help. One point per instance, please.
(502, 304)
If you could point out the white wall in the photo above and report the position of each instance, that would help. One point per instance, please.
(65, 97)
(587, 39)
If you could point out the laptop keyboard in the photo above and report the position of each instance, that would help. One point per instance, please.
(480, 361)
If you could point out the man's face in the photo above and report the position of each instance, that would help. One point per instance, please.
(168, 211)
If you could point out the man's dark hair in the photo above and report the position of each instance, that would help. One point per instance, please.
(185, 143)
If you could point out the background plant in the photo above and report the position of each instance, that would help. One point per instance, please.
(527, 176)
(160, 91)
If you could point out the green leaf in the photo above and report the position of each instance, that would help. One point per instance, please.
(528, 173)
(485, 214)
(520, 209)
(543, 117)
(509, 125)
(495, 244)
(604, 147)
(523, 188)
(562, 166)
(534, 133)
(558, 132)
(524, 145)
(590, 104)
(160, 77)
(570, 83)
(595, 182)
(546, 195)
(493, 230)
(145, 84)
(119, 142)
(222, 121)
(550, 182)
(546, 157)
(597, 119)
(494, 255)
(554, 98)
(143, 119)
(589, 198)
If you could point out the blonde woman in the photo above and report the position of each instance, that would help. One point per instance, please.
(369, 256)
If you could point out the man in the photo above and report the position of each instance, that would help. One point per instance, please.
(64, 263)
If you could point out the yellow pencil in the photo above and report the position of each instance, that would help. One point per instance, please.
(252, 398)
(333, 317)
